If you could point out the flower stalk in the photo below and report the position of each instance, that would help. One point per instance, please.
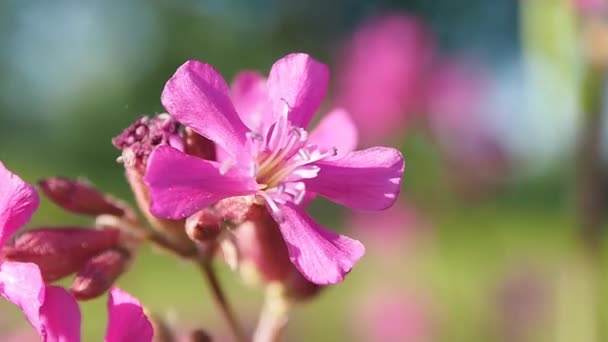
(206, 268)
(274, 315)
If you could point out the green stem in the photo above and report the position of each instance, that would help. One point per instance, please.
(221, 301)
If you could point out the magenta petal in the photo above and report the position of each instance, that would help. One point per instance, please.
(322, 256)
(301, 82)
(336, 129)
(365, 180)
(250, 98)
(127, 320)
(198, 97)
(22, 284)
(60, 315)
(181, 185)
(18, 202)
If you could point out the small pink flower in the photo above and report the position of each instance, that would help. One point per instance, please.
(265, 152)
(51, 310)
(381, 74)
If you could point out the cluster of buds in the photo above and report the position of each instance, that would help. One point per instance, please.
(97, 255)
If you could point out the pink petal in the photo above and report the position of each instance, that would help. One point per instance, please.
(336, 129)
(365, 180)
(299, 81)
(322, 256)
(18, 202)
(127, 320)
(250, 98)
(51, 310)
(22, 284)
(181, 185)
(60, 315)
(198, 97)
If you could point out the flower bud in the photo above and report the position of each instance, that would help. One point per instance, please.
(199, 335)
(298, 288)
(259, 248)
(59, 252)
(171, 234)
(137, 143)
(80, 198)
(204, 226)
(141, 138)
(99, 273)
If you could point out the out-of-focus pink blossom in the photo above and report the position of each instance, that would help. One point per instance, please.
(267, 154)
(590, 6)
(459, 121)
(393, 316)
(389, 233)
(453, 99)
(381, 72)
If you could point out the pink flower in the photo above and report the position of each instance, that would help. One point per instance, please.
(381, 72)
(265, 152)
(55, 315)
(393, 316)
(459, 119)
(392, 232)
(590, 6)
(51, 310)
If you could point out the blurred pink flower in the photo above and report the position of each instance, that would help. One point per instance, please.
(393, 317)
(453, 98)
(381, 73)
(590, 6)
(267, 154)
(389, 232)
(51, 310)
(459, 120)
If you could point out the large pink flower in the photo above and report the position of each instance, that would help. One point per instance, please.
(266, 152)
(52, 310)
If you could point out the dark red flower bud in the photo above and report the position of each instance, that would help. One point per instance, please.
(259, 244)
(59, 252)
(199, 146)
(199, 335)
(99, 273)
(204, 226)
(79, 197)
(299, 288)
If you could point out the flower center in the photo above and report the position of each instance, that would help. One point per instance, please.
(283, 160)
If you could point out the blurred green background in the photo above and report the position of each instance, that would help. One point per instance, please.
(497, 260)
